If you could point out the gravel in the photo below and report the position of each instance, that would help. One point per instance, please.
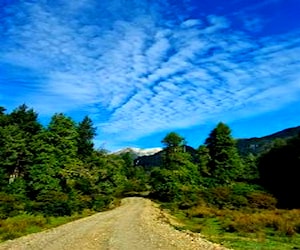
(138, 224)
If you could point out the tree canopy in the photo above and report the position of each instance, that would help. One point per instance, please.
(224, 162)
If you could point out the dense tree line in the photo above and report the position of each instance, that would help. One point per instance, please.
(55, 170)
(219, 176)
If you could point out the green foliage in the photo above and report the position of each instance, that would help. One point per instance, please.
(224, 162)
(203, 159)
(11, 205)
(15, 154)
(257, 146)
(52, 203)
(54, 170)
(25, 119)
(249, 170)
(178, 178)
(63, 137)
(20, 225)
(86, 133)
(173, 140)
(237, 196)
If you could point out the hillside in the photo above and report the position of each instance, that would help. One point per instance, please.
(148, 161)
(138, 152)
(258, 145)
(254, 145)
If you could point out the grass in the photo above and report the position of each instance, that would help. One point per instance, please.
(243, 230)
(24, 224)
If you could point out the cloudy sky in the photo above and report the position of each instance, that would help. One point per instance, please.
(143, 68)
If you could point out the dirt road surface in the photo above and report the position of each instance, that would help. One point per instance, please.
(138, 224)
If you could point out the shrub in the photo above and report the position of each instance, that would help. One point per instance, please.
(201, 211)
(19, 225)
(10, 205)
(261, 200)
(53, 203)
(282, 222)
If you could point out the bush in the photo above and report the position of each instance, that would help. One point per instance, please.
(238, 195)
(281, 222)
(242, 223)
(261, 200)
(201, 211)
(11, 205)
(53, 203)
(19, 225)
(101, 202)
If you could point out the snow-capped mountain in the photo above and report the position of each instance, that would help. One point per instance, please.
(137, 152)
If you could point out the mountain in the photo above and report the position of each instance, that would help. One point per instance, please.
(138, 152)
(258, 145)
(156, 159)
(245, 146)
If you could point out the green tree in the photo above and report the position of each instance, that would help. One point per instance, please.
(86, 133)
(3, 117)
(249, 172)
(26, 119)
(224, 164)
(15, 156)
(17, 132)
(45, 171)
(173, 154)
(63, 137)
(203, 159)
(173, 140)
(178, 178)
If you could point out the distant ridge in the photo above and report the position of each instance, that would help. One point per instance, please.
(155, 160)
(257, 145)
(245, 146)
(138, 152)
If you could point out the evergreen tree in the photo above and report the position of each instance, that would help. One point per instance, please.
(17, 132)
(26, 119)
(224, 164)
(173, 140)
(3, 117)
(86, 134)
(45, 171)
(174, 154)
(63, 137)
(178, 179)
(249, 172)
(15, 155)
(203, 159)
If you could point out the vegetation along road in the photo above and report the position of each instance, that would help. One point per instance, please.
(136, 224)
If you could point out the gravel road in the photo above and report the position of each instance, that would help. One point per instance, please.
(138, 224)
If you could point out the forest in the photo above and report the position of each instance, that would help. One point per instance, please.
(54, 171)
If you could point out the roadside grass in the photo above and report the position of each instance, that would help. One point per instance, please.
(253, 229)
(24, 224)
(27, 223)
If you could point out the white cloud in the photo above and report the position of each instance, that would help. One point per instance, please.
(147, 76)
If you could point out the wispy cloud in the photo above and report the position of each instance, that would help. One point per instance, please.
(143, 71)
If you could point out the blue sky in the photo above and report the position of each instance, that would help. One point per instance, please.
(143, 68)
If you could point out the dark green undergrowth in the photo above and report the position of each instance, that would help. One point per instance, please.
(244, 229)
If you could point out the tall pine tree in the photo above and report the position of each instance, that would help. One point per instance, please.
(224, 164)
(86, 133)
